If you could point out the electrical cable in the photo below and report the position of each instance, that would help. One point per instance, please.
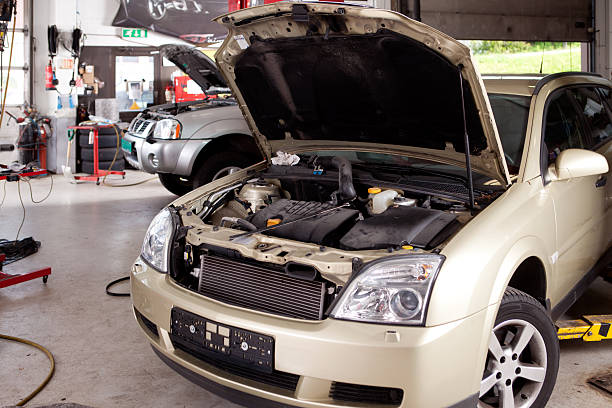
(23, 207)
(113, 162)
(27, 180)
(51, 370)
(3, 194)
(8, 72)
(116, 281)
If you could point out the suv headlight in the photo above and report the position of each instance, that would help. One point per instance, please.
(393, 291)
(167, 129)
(156, 245)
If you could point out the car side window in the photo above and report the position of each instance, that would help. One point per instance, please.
(595, 114)
(563, 129)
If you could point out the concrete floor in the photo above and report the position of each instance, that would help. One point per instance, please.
(90, 235)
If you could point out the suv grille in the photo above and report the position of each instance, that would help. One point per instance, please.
(141, 127)
(276, 378)
(366, 393)
(260, 287)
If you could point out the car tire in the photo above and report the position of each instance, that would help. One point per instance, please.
(88, 166)
(104, 140)
(174, 184)
(523, 357)
(104, 154)
(219, 165)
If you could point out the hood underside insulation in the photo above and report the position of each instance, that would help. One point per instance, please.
(378, 88)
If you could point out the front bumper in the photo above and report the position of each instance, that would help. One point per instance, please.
(437, 366)
(159, 157)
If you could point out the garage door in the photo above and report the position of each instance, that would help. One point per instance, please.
(526, 20)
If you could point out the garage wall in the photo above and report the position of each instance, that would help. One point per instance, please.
(94, 18)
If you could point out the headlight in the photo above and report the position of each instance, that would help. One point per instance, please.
(393, 291)
(156, 245)
(167, 129)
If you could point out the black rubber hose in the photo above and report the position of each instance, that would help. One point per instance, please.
(346, 189)
(116, 281)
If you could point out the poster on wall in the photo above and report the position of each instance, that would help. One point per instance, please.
(189, 20)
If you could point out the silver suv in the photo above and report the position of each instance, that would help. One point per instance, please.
(189, 144)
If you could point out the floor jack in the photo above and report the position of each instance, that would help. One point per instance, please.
(588, 328)
(8, 279)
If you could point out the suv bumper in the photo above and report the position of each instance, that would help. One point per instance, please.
(437, 366)
(159, 157)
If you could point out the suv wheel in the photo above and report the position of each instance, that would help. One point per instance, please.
(175, 184)
(220, 165)
(523, 358)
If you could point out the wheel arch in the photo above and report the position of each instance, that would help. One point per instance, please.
(238, 142)
(525, 267)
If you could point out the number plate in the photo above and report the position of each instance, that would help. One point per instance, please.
(225, 342)
(126, 146)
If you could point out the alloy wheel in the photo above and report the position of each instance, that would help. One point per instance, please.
(516, 366)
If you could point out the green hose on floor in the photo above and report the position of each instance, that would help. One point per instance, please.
(49, 356)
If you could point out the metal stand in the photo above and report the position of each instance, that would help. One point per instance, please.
(98, 173)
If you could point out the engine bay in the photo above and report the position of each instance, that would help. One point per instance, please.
(324, 201)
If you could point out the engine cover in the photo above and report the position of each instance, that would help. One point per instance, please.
(419, 227)
(322, 230)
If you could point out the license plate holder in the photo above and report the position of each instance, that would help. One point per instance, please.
(223, 342)
(126, 146)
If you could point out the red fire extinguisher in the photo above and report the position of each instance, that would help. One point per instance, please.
(50, 80)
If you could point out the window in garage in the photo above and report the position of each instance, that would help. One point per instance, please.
(15, 92)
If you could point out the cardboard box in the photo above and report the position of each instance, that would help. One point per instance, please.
(88, 75)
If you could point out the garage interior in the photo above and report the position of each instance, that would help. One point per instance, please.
(91, 232)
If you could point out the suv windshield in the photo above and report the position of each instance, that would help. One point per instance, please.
(511, 113)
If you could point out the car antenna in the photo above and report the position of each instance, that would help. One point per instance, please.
(466, 141)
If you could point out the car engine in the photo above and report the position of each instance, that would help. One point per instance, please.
(320, 203)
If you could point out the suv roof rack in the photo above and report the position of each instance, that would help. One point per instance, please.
(552, 77)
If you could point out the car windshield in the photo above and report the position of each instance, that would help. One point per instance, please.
(511, 113)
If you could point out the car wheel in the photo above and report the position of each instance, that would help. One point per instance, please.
(88, 166)
(175, 184)
(104, 153)
(220, 165)
(523, 357)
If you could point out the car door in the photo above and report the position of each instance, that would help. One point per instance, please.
(603, 145)
(578, 202)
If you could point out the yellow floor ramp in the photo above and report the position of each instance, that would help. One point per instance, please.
(589, 328)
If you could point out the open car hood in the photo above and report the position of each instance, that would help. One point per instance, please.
(194, 63)
(325, 76)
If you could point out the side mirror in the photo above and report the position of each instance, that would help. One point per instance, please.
(572, 163)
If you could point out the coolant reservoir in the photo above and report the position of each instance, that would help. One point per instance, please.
(380, 201)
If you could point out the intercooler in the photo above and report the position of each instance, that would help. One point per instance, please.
(260, 287)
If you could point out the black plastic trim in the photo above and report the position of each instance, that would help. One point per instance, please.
(469, 402)
(582, 285)
(552, 77)
(230, 394)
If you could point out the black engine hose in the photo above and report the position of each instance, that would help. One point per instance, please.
(346, 189)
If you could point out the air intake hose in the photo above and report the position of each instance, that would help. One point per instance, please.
(346, 190)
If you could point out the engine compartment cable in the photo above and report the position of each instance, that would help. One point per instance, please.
(51, 361)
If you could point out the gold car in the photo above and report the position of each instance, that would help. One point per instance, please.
(411, 236)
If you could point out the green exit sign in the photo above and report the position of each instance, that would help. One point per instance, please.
(134, 33)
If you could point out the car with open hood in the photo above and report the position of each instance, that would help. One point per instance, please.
(189, 144)
(411, 236)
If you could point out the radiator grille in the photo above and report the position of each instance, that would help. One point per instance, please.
(366, 393)
(260, 287)
(140, 126)
(276, 378)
